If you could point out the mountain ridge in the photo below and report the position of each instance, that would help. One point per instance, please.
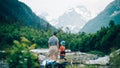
(16, 11)
(103, 18)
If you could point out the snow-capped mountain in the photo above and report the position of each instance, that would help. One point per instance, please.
(74, 19)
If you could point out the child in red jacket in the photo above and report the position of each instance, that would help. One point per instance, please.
(62, 50)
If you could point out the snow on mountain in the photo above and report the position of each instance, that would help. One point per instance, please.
(74, 19)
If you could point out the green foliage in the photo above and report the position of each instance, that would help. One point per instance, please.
(20, 56)
(10, 32)
(97, 53)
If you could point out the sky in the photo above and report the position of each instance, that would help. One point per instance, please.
(52, 9)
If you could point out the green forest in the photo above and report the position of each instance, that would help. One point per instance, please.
(103, 41)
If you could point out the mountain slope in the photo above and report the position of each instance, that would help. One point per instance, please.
(111, 12)
(15, 11)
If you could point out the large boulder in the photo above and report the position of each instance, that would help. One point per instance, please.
(115, 53)
(101, 61)
(115, 59)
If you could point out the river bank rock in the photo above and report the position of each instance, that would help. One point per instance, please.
(79, 57)
(101, 61)
(115, 53)
(115, 59)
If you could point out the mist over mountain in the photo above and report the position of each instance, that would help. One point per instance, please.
(111, 12)
(74, 19)
(15, 11)
(43, 15)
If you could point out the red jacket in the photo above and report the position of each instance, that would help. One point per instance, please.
(62, 50)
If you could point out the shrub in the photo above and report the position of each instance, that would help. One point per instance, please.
(20, 56)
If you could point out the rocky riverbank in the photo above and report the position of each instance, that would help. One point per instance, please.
(76, 57)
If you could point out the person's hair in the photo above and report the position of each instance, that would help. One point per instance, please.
(55, 33)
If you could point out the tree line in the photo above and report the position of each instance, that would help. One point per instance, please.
(103, 41)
